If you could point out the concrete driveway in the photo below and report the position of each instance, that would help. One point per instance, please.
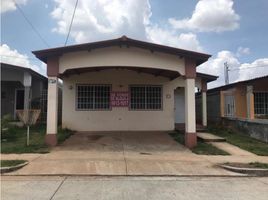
(121, 153)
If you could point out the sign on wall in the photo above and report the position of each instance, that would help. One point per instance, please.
(119, 99)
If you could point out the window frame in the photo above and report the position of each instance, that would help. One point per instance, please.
(145, 85)
(93, 109)
(263, 103)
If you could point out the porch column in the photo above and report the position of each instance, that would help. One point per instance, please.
(250, 102)
(190, 121)
(52, 101)
(204, 103)
(27, 82)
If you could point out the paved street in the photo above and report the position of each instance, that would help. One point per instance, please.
(85, 187)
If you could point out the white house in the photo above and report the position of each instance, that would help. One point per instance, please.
(124, 85)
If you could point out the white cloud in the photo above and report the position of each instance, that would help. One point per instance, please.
(210, 15)
(102, 19)
(215, 66)
(242, 51)
(13, 57)
(9, 5)
(172, 38)
(239, 71)
(105, 19)
(255, 69)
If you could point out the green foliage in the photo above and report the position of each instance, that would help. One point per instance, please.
(63, 134)
(11, 163)
(259, 165)
(15, 139)
(241, 140)
(201, 148)
(5, 120)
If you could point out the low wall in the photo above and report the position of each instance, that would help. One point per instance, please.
(257, 128)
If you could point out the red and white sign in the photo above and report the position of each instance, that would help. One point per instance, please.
(119, 99)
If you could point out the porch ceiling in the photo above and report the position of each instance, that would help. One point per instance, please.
(154, 71)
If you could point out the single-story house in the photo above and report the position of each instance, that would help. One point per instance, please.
(244, 100)
(124, 85)
(21, 88)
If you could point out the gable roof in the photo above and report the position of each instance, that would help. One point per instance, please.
(29, 70)
(224, 87)
(122, 41)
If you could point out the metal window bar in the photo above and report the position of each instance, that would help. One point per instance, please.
(43, 105)
(93, 97)
(145, 97)
(261, 103)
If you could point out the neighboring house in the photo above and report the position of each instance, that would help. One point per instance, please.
(244, 99)
(242, 105)
(21, 88)
(124, 85)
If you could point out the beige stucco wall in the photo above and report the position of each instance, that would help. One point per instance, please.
(116, 56)
(118, 118)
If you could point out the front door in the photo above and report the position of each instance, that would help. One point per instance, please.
(229, 105)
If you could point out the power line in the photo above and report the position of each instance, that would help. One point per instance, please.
(29, 22)
(70, 27)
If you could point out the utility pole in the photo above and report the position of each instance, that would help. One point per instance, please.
(226, 73)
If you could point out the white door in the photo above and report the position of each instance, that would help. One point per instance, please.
(229, 105)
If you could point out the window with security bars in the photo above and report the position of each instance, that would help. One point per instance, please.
(261, 103)
(145, 97)
(93, 97)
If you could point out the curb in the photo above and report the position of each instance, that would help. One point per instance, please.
(249, 171)
(12, 168)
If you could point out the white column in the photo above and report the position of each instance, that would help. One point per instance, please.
(250, 102)
(190, 122)
(27, 82)
(204, 108)
(52, 110)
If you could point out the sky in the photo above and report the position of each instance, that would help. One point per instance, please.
(232, 31)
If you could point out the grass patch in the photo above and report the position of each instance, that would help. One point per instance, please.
(242, 141)
(259, 165)
(248, 165)
(14, 139)
(11, 163)
(63, 134)
(201, 148)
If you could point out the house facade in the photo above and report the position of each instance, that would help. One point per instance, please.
(124, 85)
(21, 88)
(243, 100)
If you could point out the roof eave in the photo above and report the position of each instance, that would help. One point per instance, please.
(45, 53)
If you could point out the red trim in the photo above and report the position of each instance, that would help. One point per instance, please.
(190, 140)
(53, 66)
(190, 68)
(51, 139)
